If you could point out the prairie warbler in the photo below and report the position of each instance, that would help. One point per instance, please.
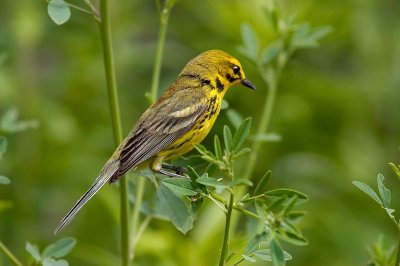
(180, 119)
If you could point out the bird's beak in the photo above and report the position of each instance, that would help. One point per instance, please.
(248, 84)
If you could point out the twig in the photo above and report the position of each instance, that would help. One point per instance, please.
(10, 255)
(105, 32)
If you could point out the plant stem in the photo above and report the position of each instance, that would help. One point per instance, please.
(398, 246)
(271, 82)
(224, 250)
(164, 18)
(140, 186)
(105, 32)
(10, 255)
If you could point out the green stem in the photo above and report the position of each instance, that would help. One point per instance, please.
(235, 205)
(140, 187)
(93, 10)
(105, 32)
(224, 250)
(10, 255)
(271, 82)
(398, 246)
(164, 18)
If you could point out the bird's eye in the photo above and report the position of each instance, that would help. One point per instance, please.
(236, 70)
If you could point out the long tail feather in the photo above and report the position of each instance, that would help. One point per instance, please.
(108, 171)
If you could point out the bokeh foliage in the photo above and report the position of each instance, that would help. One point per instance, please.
(337, 113)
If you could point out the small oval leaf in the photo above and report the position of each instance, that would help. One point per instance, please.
(367, 190)
(180, 186)
(4, 180)
(60, 248)
(59, 11)
(33, 250)
(383, 191)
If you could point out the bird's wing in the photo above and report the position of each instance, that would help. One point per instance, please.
(166, 124)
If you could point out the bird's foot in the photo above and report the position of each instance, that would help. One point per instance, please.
(180, 171)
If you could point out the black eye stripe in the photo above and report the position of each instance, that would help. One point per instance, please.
(230, 78)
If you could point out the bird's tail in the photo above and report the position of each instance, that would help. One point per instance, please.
(106, 173)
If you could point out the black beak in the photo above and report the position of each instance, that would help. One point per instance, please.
(248, 84)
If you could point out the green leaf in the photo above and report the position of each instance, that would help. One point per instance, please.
(293, 216)
(293, 237)
(383, 252)
(33, 250)
(390, 212)
(267, 137)
(383, 191)
(251, 43)
(277, 254)
(217, 148)
(59, 11)
(271, 52)
(3, 145)
(262, 184)
(192, 173)
(320, 32)
(290, 205)
(241, 152)
(304, 37)
(367, 190)
(255, 242)
(8, 119)
(396, 169)
(240, 181)
(224, 104)
(53, 262)
(4, 180)
(234, 117)
(60, 248)
(248, 258)
(180, 186)
(212, 182)
(227, 138)
(286, 192)
(168, 204)
(272, 15)
(265, 255)
(211, 169)
(241, 134)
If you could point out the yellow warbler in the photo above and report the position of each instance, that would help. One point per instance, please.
(180, 119)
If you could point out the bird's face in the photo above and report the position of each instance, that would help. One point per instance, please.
(232, 71)
(222, 69)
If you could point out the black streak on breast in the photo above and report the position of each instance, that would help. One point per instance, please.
(220, 86)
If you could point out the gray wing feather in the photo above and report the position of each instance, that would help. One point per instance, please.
(155, 139)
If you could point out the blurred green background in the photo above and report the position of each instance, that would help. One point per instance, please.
(337, 110)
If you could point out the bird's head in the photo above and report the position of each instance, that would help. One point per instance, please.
(219, 68)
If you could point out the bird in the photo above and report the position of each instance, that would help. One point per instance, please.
(181, 118)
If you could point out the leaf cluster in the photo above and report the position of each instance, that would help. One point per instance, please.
(272, 213)
(383, 253)
(271, 58)
(52, 254)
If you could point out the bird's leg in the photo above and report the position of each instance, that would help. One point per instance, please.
(180, 170)
(157, 166)
(170, 174)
